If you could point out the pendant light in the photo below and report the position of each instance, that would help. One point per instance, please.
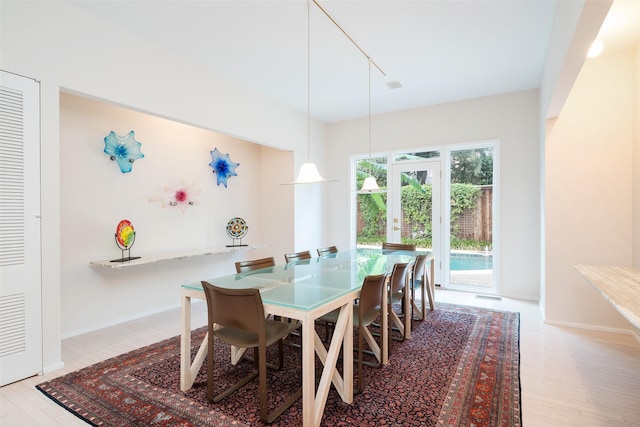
(370, 185)
(309, 171)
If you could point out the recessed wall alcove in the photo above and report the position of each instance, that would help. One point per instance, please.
(96, 195)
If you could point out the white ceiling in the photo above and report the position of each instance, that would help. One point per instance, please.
(439, 51)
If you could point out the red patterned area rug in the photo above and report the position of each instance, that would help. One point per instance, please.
(460, 368)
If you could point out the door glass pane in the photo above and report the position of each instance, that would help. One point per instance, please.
(416, 208)
(371, 223)
(417, 156)
(471, 220)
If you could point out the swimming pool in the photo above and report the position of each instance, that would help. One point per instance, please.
(464, 261)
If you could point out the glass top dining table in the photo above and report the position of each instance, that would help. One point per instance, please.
(309, 284)
(305, 290)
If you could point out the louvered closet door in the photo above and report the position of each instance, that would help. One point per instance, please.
(20, 282)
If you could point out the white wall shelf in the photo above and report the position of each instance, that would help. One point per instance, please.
(150, 259)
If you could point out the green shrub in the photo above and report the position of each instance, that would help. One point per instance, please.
(416, 204)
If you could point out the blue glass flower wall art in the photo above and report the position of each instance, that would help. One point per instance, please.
(123, 149)
(181, 196)
(222, 166)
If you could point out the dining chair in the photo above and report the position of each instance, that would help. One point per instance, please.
(236, 316)
(297, 256)
(327, 251)
(258, 264)
(397, 293)
(388, 246)
(420, 281)
(365, 312)
(255, 264)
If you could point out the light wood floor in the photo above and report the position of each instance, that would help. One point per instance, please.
(569, 377)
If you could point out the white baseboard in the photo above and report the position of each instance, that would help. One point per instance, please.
(52, 368)
(118, 321)
(595, 328)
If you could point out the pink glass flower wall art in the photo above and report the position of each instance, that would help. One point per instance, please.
(180, 196)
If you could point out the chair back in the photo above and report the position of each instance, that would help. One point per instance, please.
(297, 256)
(398, 277)
(371, 293)
(420, 270)
(235, 308)
(327, 251)
(255, 264)
(388, 246)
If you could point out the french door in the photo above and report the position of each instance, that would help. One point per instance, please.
(450, 213)
(414, 212)
(469, 250)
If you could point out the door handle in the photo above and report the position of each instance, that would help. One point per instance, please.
(396, 228)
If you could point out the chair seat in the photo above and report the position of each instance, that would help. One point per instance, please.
(243, 338)
(397, 297)
(368, 317)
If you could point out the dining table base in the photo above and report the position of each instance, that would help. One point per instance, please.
(313, 401)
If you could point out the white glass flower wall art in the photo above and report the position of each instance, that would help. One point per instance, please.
(123, 149)
(222, 166)
(181, 196)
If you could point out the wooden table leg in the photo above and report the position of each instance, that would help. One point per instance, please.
(185, 345)
(342, 340)
(188, 369)
(308, 372)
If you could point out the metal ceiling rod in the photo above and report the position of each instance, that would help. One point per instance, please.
(348, 36)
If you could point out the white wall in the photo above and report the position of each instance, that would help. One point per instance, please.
(66, 48)
(589, 190)
(310, 199)
(575, 26)
(636, 161)
(512, 119)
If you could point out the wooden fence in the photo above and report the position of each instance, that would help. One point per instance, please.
(476, 223)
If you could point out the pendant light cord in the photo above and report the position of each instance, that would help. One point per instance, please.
(369, 116)
(370, 61)
(308, 81)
